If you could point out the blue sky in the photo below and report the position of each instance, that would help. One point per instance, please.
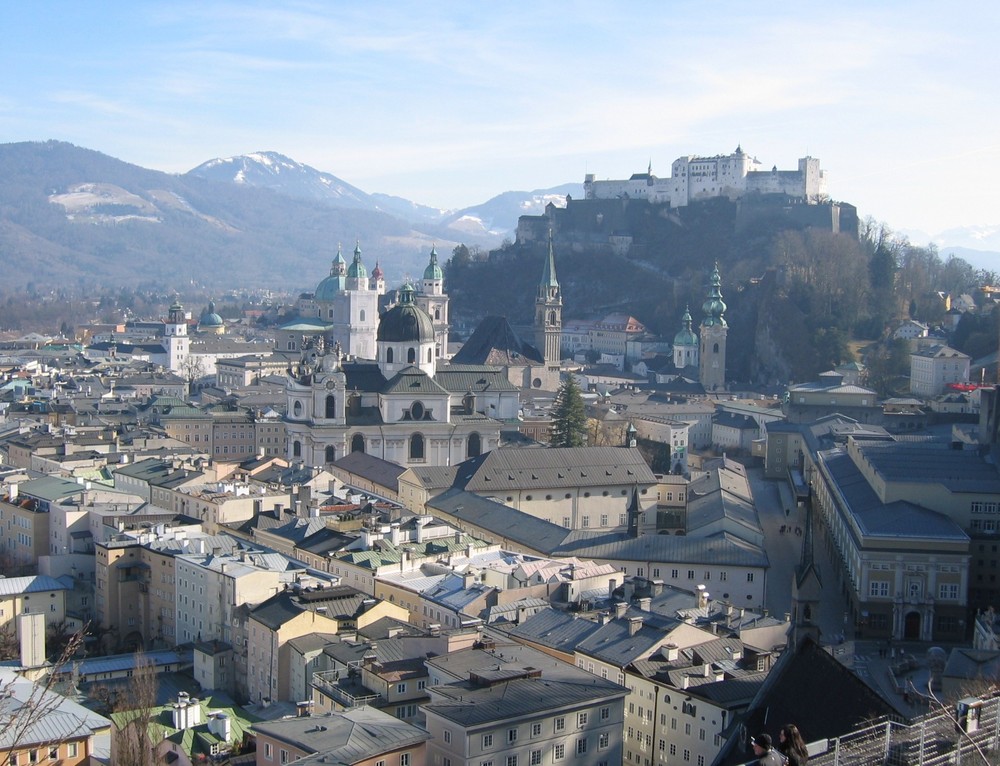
(448, 104)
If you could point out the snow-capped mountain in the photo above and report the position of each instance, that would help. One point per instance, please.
(487, 223)
(979, 245)
(282, 174)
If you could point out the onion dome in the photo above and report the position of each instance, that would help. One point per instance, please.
(377, 272)
(406, 322)
(330, 287)
(686, 336)
(357, 269)
(433, 271)
(714, 307)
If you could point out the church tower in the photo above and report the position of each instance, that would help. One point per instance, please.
(175, 337)
(807, 588)
(712, 361)
(433, 300)
(685, 344)
(548, 312)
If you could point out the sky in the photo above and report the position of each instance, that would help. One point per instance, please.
(450, 103)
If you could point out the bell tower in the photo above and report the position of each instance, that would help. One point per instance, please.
(548, 311)
(713, 331)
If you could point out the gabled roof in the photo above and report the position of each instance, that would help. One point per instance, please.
(495, 342)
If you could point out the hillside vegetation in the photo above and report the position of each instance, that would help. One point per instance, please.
(796, 294)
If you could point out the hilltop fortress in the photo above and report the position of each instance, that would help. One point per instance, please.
(732, 176)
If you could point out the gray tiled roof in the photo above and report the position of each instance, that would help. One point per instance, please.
(932, 462)
(378, 471)
(513, 525)
(412, 380)
(504, 469)
(460, 378)
(470, 705)
(877, 519)
(719, 550)
(354, 735)
(555, 629)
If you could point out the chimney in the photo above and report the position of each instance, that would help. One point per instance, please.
(645, 604)
(612, 584)
(656, 588)
(12, 491)
(634, 624)
(620, 608)
(671, 652)
(702, 597)
(707, 670)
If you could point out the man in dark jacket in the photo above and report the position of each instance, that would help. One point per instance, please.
(766, 755)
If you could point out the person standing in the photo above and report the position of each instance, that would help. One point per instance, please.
(766, 755)
(791, 745)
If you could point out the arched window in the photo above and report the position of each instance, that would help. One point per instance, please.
(552, 317)
(475, 447)
(331, 454)
(437, 313)
(411, 355)
(330, 314)
(430, 356)
(715, 349)
(388, 355)
(416, 447)
(331, 406)
(296, 449)
(361, 316)
(357, 443)
(297, 408)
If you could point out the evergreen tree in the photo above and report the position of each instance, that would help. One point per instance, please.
(569, 418)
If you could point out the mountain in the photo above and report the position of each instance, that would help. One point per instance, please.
(978, 245)
(486, 224)
(72, 216)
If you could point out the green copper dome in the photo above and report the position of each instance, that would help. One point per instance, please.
(331, 286)
(686, 336)
(211, 319)
(357, 269)
(433, 271)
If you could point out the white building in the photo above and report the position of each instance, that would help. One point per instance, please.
(934, 367)
(733, 176)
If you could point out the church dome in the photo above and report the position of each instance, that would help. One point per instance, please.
(686, 336)
(357, 269)
(211, 320)
(406, 322)
(377, 272)
(433, 271)
(331, 286)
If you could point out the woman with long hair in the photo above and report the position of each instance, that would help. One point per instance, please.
(791, 745)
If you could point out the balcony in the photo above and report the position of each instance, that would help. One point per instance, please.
(345, 689)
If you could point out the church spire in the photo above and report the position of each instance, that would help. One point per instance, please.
(549, 281)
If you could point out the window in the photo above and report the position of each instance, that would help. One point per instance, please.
(284, 756)
(605, 713)
(73, 749)
(447, 736)
(561, 721)
(511, 735)
(948, 590)
(511, 760)
(604, 741)
(401, 689)
(581, 719)
(581, 746)
(487, 740)
(416, 447)
(54, 752)
(558, 752)
(690, 574)
(878, 588)
(536, 730)
(749, 576)
(404, 759)
(535, 759)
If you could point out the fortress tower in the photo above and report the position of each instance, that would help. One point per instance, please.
(712, 361)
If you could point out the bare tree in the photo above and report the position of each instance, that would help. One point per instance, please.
(134, 738)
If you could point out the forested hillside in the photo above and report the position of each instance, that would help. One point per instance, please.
(797, 295)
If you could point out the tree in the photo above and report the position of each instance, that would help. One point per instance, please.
(134, 739)
(569, 418)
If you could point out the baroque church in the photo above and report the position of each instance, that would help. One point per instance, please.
(395, 395)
